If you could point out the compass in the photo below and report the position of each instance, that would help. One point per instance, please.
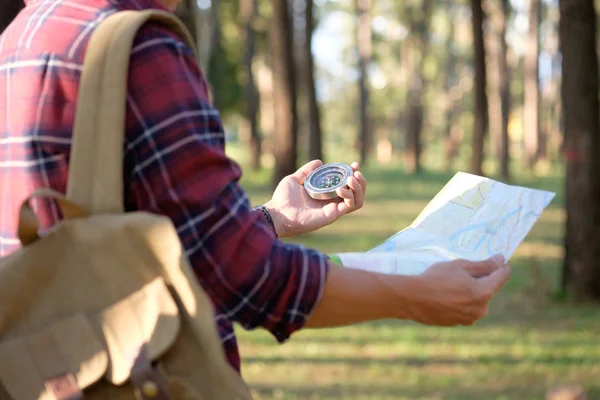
(322, 183)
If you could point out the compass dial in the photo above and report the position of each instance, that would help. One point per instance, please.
(329, 180)
(323, 182)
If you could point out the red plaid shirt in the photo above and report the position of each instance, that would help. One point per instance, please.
(175, 163)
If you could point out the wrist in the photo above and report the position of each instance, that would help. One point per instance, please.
(407, 290)
(277, 220)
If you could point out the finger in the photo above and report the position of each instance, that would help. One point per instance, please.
(306, 169)
(478, 269)
(361, 180)
(343, 208)
(345, 193)
(359, 196)
(355, 166)
(348, 204)
(496, 280)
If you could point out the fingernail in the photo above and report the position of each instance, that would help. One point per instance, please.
(498, 259)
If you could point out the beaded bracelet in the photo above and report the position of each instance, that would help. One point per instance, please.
(267, 216)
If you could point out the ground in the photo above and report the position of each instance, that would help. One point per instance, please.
(531, 341)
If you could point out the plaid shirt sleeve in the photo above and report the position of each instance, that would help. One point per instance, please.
(175, 148)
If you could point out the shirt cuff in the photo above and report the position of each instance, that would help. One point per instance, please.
(306, 293)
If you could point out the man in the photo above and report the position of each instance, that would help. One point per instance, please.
(175, 165)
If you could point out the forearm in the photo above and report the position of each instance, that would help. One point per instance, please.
(352, 296)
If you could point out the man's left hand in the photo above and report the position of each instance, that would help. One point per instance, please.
(294, 212)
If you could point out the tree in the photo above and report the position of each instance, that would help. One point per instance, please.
(532, 90)
(10, 9)
(480, 126)
(249, 10)
(499, 98)
(218, 69)
(284, 92)
(186, 11)
(420, 19)
(363, 37)
(453, 92)
(580, 88)
(504, 86)
(315, 146)
(223, 62)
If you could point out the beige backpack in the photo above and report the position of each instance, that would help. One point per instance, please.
(105, 305)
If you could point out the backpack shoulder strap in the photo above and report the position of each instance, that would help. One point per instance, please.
(96, 167)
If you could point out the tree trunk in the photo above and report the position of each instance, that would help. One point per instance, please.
(315, 146)
(10, 9)
(499, 79)
(284, 92)
(531, 89)
(215, 59)
(480, 126)
(364, 53)
(580, 88)
(298, 13)
(504, 86)
(414, 126)
(556, 137)
(453, 94)
(415, 110)
(492, 64)
(249, 10)
(413, 116)
(186, 11)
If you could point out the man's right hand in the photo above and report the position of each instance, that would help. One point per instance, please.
(457, 292)
(447, 294)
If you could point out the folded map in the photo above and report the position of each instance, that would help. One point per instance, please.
(472, 218)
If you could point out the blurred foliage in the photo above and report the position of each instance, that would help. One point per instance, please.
(337, 88)
(224, 62)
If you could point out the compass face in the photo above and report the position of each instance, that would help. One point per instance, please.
(325, 180)
(328, 180)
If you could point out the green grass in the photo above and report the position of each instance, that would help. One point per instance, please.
(530, 341)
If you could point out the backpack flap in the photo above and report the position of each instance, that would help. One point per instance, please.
(76, 352)
(85, 301)
(63, 358)
(142, 326)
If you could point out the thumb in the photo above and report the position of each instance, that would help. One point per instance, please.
(306, 169)
(480, 269)
(494, 281)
